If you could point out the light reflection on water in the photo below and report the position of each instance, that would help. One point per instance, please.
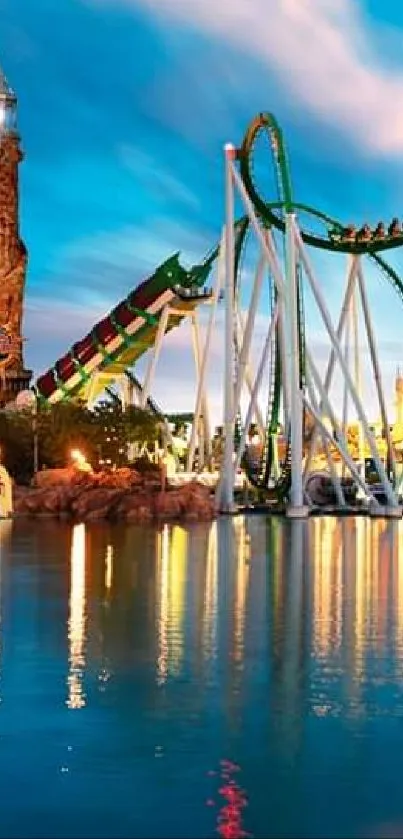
(210, 599)
(172, 549)
(270, 649)
(77, 618)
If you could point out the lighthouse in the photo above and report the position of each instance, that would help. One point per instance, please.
(13, 255)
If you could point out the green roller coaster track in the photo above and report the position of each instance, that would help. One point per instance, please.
(272, 215)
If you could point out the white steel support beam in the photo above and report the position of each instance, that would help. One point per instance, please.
(321, 303)
(256, 387)
(293, 357)
(356, 475)
(344, 316)
(249, 378)
(282, 337)
(282, 328)
(205, 407)
(357, 373)
(126, 392)
(219, 285)
(278, 279)
(376, 368)
(225, 492)
(340, 444)
(135, 391)
(226, 483)
(247, 335)
(269, 251)
(333, 474)
(347, 358)
(161, 329)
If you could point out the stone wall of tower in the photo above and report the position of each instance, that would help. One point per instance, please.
(13, 261)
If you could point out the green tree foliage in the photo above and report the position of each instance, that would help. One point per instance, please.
(67, 426)
(16, 444)
(179, 420)
(114, 429)
(64, 427)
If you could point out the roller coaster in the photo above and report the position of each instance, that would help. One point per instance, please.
(295, 390)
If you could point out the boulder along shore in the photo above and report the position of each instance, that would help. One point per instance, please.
(122, 495)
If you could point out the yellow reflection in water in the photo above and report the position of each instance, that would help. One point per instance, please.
(243, 554)
(76, 623)
(358, 590)
(108, 567)
(172, 547)
(377, 530)
(327, 593)
(363, 589)
(6, 526)
(211, 594)
(277, 566)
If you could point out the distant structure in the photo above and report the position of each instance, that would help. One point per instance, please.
(13, 255)
(399, 397)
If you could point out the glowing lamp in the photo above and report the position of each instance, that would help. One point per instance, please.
(80, 461)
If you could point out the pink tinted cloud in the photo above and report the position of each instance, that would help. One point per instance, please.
(323, 52)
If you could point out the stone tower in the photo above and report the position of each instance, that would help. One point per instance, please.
(13, 255)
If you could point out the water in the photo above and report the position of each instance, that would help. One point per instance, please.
(244, 678)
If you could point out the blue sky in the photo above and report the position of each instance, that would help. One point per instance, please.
(124, 106)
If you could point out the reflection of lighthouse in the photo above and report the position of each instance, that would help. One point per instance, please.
(13, 257)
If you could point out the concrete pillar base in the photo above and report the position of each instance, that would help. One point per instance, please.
(378, 511)
(297, 512)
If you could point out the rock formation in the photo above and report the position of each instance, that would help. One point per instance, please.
(122, 495)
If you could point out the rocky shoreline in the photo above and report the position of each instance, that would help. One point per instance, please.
(122, 495)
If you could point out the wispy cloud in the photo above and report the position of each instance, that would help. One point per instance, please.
(131, 252)
(61, 323)
(323, 51)
(154, 177)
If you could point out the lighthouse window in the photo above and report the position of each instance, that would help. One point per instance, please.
(8, 117)
(10, 122)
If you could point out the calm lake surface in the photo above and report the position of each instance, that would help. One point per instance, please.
(239, 679)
